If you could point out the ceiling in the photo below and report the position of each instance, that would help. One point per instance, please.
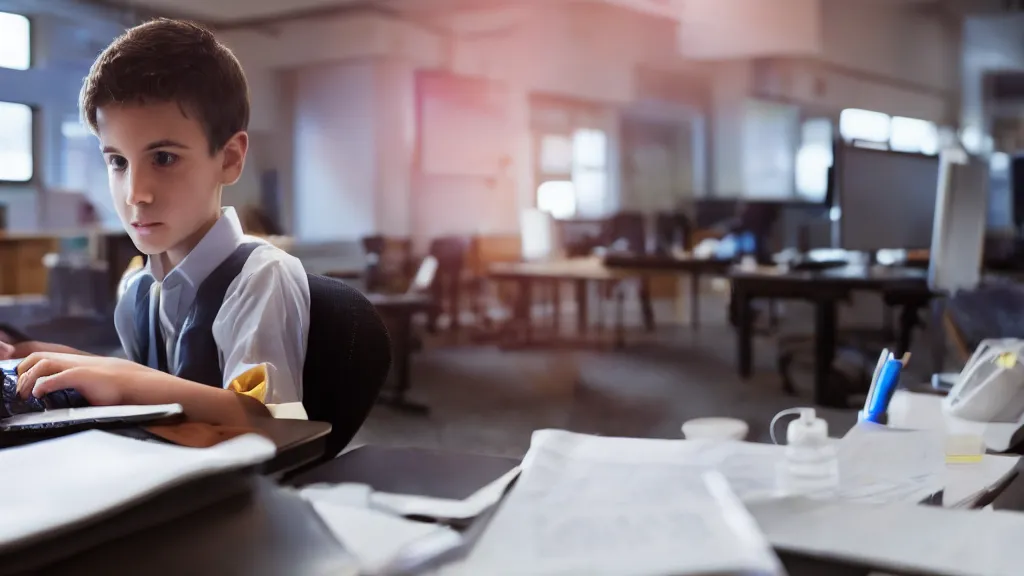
(229, 11)
(242, 11)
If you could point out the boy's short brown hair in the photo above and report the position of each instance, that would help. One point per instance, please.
(171, 61)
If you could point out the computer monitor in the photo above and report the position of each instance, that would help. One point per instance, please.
(886, 199)
(958, 235)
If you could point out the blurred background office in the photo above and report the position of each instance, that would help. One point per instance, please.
(567, 187)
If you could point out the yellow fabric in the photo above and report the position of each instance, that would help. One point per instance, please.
(252, 383)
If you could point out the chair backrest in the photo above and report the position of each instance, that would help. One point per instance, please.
(348, 356)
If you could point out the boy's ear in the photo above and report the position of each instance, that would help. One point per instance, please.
(234, 158)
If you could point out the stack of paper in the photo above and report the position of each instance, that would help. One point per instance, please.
(585, 505)
(372, 526)
(897, 538)
(79, 478)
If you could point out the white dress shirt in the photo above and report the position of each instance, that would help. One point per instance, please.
(264, 318)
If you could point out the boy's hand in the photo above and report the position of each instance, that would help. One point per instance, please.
(101, 381)
(7, 350)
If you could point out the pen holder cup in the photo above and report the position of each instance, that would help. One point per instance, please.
(883, 418)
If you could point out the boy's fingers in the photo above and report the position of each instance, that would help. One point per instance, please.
(42, 367)
(60, 381)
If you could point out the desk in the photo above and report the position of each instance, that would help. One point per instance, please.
(824, 288)
(398, 310)
(579, 271)
(268, 531)
(694, 267)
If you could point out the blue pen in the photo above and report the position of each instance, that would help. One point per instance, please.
(888, 380)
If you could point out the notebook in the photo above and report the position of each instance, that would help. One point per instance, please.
(69, 482)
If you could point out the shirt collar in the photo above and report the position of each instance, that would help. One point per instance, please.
(219, 242)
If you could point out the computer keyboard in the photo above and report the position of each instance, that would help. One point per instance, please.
(11, 404)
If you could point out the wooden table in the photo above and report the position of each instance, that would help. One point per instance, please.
(579, 271)
(397, 311)
(824, 288)
(694, 267)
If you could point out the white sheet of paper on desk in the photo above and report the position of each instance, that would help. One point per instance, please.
(966, 483)
(633, 508)
(374, 538)
(75, 478)
(881, 465)
(898, 538)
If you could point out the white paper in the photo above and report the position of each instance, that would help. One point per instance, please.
(442, 508)
(631, 508)
(899, 538)
(92, 413)
(375, 538)
(881, 465)
(966, 483)
(347, 494)
(82, 476)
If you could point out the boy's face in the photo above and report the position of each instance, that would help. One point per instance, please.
(165, 183)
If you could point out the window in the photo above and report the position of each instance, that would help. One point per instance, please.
(558, 198)
(589, 171)
(15, 42)
(897, 133)
(856, 124)
(15, 142)
(913, 135)
(814, 158)
(573, 173)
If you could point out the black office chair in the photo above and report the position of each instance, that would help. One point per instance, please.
(347, 359)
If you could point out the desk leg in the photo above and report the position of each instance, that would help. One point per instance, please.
(582, 314)
(824, 353)
(646, 307)
(401, 337)
(695, 300)
(744, 331)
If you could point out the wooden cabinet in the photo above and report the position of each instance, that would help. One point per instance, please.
(21, 264)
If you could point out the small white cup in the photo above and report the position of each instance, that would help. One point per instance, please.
(715, 429)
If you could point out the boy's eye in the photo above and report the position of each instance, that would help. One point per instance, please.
(118, 163)
(164, 158)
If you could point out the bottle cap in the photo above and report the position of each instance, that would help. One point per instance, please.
(806, 429)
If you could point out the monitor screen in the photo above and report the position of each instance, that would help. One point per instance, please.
(886, 199)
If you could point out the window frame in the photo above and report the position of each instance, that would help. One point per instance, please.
(34, 147)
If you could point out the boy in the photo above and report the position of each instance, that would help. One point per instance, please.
(216, 321)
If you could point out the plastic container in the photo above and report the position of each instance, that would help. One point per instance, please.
(715, 429)
(811, 466)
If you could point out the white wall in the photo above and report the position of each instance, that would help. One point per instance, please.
(896, 40)
(584, 52)
(335, 175)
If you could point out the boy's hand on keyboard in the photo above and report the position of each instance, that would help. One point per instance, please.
(7, 350)
(101, 381)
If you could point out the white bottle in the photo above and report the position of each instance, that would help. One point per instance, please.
(811, 466)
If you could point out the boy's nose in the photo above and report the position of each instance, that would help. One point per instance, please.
(138, 189)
